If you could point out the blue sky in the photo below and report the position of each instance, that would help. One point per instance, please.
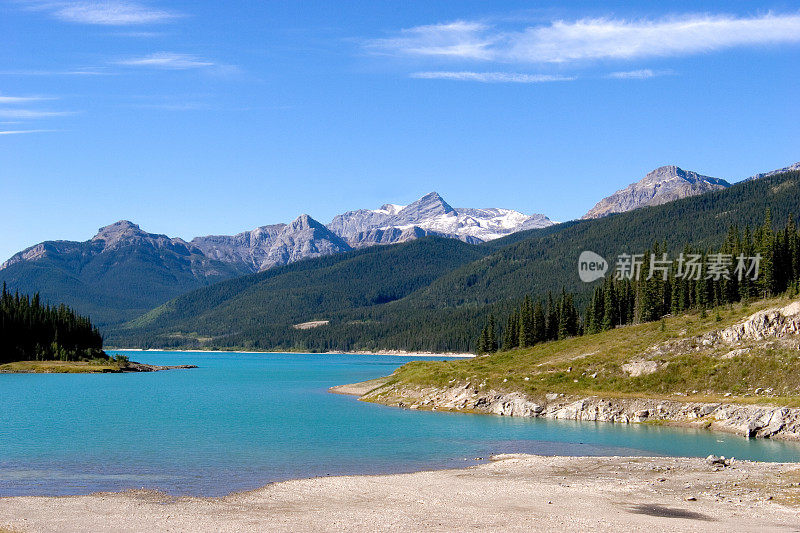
(199, 117)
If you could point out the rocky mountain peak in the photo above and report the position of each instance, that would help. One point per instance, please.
(113, 233)
(430, 205)
(662, 185)
(304, 222)
(672, 172)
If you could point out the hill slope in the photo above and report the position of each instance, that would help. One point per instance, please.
(253, 310)
(689, 369)
(547, 260)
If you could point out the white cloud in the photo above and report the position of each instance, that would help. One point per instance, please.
(167, 60)
(470, 40)
(103, 12)
(20, 132)
(32, 114)
(641, 74)
(76, 72)
(20, 99)
(490, 77)
(593, 39)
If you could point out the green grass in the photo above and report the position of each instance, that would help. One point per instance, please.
(592, 364)
(60, 367)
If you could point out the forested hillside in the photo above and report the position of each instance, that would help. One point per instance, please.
(246, 309)
(446, 305)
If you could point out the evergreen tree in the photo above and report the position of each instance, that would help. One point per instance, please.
(539, 323)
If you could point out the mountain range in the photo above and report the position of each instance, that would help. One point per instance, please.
(434, 294)
(123, 271)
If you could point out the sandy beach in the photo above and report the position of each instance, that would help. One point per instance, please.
(510, 493)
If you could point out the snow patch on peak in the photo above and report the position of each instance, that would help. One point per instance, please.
(389, 209)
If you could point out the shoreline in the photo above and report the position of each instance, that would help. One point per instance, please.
(83, 367)
(765, 420)
(509, 493)
(398, 353)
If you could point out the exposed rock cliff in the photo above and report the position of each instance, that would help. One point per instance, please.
(746, 420)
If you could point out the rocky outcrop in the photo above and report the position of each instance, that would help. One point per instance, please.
(763, 421)
(775, 323)
(664, 184)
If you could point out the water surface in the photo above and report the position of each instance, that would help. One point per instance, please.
(243, 420)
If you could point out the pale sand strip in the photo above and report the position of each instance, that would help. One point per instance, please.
(515, 493)
(359, 389)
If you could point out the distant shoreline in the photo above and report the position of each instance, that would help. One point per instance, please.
(397, 353)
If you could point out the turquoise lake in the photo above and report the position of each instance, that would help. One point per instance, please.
(243, 420)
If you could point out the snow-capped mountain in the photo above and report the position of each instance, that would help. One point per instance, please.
(660, 186)
(430, 215)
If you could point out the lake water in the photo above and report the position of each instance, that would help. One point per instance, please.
(243, 420)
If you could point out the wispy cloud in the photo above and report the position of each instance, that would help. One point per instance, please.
(103, 12)
(21, 99)
(32, 113)
(459, 39)
(167, 60)
(490, 77)
(75, 72)
(21, 132)
(641, 74)
(591, 39)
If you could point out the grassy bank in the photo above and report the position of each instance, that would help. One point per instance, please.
(61, 367)
(751, 372)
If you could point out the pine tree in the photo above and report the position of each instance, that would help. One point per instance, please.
(511, 333)
(491, 336)
(539, 323)
(610, 307)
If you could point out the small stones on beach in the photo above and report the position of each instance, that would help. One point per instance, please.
(719, 461)
(691, 499)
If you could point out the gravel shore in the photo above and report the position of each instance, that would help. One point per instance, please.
(510, 493)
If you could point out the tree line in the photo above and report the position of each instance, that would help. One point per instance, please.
(30, 330)
(751, 263)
